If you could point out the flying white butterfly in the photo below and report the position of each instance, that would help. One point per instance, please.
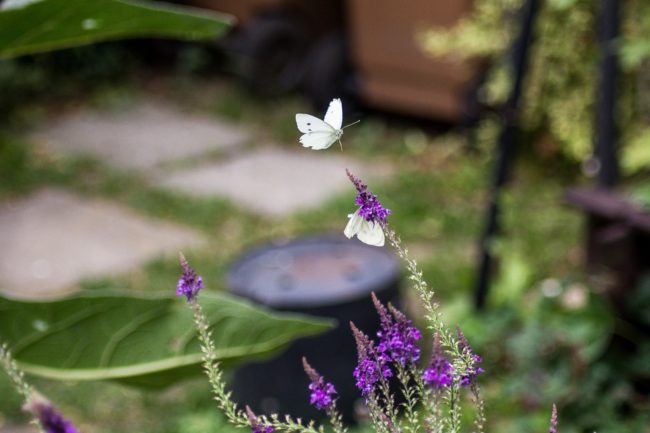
(368, 232)
(321, 134)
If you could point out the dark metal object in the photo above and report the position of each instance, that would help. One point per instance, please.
(618, 239)
(605, 127)
(617, 231)
(509, 130)
(325, 276)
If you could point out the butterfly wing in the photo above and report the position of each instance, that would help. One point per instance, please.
(354, 225)
(334, 114)
(371, 234)
(318, 140)
(307, 123)
(367, 232)
(318, 134)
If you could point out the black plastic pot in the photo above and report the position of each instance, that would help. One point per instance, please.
(322, 276)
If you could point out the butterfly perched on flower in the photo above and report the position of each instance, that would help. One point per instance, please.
(320, 134)
(368, 221)
(368, 232)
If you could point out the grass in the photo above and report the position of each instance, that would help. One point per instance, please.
(437, 194)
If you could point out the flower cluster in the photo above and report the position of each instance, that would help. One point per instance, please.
(369, 206)
(397, 337)
(371, 367)
(322, 393)
(189, 283)
(50, 419)
(440, 372)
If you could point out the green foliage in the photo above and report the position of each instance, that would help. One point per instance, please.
(638, 303)
(137, 339)
(52, 24)
(560, 87)
(560, 343)
(640, 196)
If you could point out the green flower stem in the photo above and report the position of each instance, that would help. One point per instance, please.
(223, 398)
(432, 315)
(389, 403)
(377, 416)
(336, 421)
(453, 420)
(17, 378)
(479, 421)
(409, 392)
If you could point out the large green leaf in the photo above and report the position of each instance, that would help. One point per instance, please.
(51, 24)
(146, 340)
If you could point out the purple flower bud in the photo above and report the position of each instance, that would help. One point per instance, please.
(369, 206)
(190, 283)
(472, 370)
(51, 420)
(371, 367)
(552, 428)
(322, 392)
(256, 425)
(440, 372)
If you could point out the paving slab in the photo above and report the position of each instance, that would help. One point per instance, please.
(271, 181)
(52, 239)
(141, 136)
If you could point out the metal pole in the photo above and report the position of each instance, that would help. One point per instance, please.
(520, 54)
(606, 134)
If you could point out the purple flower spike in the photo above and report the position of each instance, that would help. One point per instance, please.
(440, 372)
(397, 338)
(190, 283)
(371, 367)
(322, 392)
(256, 426)
(369, 206)
(552, 428)
(471, 371)
(51, 420)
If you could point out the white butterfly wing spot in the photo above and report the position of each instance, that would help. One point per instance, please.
(334, 114)
(307, 123)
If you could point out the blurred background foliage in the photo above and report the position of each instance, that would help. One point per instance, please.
(560, 89)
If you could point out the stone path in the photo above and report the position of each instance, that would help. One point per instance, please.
(142, 136)
(53, 239)
(271, 181)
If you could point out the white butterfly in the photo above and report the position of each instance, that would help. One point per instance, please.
(321, 134)
(367, 232)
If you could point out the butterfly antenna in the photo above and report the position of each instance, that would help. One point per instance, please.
(353, 123)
